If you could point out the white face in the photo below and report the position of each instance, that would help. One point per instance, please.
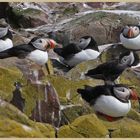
(41, 44)
(3, 31)
(83, 43)
(128, 60)
(131, 32)
(122, 93)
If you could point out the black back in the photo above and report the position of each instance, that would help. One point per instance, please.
(20, 51)
(90, 94)
(108, 71)
(67, 51)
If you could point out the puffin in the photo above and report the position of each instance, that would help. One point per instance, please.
(17, 99)
(111, 70)
(73, 54)
(5, 38)
(130, 37)
(110, 101)
(35, 50)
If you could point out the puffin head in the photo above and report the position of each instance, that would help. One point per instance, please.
(88, 42)
(43, 44)
(131, 31)
(129, 58)
(124, 93)
(3, 31)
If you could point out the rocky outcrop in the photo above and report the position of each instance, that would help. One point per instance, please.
(85, 126)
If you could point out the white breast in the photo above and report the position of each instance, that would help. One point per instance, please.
(38, 56)
(5, 44)
(84, 55)
(132, 43)
(111, 106)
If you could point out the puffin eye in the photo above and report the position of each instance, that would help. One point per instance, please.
(40, 41)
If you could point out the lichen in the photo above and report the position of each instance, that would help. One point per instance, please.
(88, 126)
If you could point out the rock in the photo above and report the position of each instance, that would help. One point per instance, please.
(105, 27)
(87, 126)
(19, 125)
(124, 128)
(18, 39)
(47, 110)
(27, 17)
(112, 52)
(71, 112)
(3, 8)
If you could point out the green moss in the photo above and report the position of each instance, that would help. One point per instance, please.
(70, 10)
(134, 115)
(28, 11)
(88, 126)
(46, 129)
(124, 128)
(67, 132)
(11, 128)
(7, 79)
(67, 86)
(74, 112)
(17, 120)
(29, 92)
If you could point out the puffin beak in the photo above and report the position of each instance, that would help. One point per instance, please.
(130, 33)
(52, 44)
(133, 95)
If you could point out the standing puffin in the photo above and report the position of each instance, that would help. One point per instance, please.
(74, 54)
(130, 37)
(35, 50)
(111, 70)
(112, 101)
(5, 38)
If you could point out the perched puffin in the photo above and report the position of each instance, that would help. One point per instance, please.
(74, 54)
(111, 70)
(130, 37)
(112, 101)
(35, 50)
(5, 38)
(17, 99)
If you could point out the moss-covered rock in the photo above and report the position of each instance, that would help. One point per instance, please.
(27, 17)
(88, 126)
(124, 128)
(68, 90)
(71, 113)
(14, 123)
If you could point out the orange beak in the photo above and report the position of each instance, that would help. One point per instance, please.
(130, 33)
(133, 95)
(52, 44)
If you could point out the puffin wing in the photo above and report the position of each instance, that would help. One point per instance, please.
(103, 69)
(20, 51)
(67, 51)
(90, 94)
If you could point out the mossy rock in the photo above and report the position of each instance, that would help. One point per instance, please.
(14, 123)
(67, 88)
(124, 128)
(134, 115)
(8, 76)
(27, 17)
(11, 128)
(73, 112)
(88, 126)
(112, 52)
(79, 70)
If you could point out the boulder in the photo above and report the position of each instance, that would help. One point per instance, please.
(87, 126)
